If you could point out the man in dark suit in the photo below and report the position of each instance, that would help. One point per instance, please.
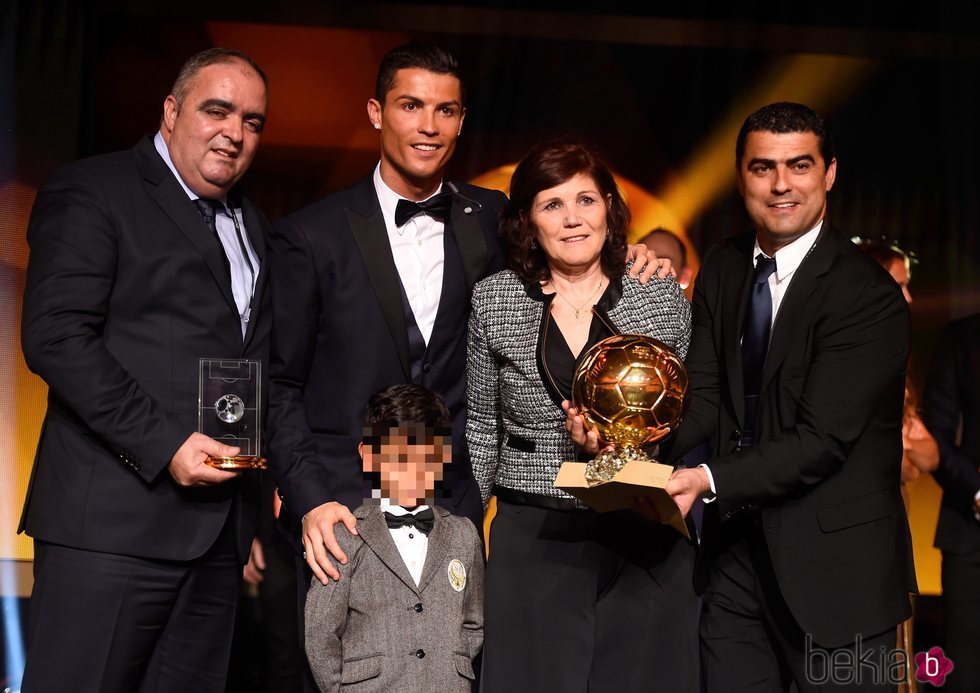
(806, 565)
(367, 296)
(143, 262)
(951, 412)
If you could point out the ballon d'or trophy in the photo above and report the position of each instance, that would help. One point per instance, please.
(633, 390)
(228, 410)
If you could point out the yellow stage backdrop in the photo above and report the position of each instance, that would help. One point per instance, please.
(22, 394)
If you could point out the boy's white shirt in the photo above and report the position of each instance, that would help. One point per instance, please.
(412, 544)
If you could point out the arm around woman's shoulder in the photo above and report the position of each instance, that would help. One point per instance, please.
(671, 311)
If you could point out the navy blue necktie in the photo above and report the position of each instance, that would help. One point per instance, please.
(755, 336)
(207, 208)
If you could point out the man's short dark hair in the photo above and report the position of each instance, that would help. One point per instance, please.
(785, 117)
(211, 56)
(405, 405)
(422, 56)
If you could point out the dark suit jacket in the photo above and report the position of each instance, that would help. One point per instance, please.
(341, 335)
(951, 397)
(126, 290)
(824, 472)
(364, 632)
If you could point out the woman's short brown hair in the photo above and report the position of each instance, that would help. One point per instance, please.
(545, 166)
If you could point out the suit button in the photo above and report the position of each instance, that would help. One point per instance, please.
(418, 608)
(420, 653)
(736, 435)
(426, 367)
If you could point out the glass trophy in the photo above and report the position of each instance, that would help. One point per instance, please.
(228, 410)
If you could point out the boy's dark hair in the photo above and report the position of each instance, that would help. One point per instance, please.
(406, 404)
(785, 117)
(422, 56)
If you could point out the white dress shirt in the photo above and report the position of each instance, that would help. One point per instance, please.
(419, 256)
(410, 542)
(244, 272)
(788, 259)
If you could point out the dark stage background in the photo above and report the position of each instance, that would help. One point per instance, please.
(661, 92)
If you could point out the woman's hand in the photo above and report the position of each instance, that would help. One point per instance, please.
(581, 433)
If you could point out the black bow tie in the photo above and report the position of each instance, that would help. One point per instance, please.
(422, 520)
(436, 206)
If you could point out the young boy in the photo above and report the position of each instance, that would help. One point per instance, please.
(407, 612)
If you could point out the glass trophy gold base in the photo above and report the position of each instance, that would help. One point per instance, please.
(237, 463)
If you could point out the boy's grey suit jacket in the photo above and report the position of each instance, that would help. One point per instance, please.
(375, 630)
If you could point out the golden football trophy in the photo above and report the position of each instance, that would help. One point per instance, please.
(633, 390)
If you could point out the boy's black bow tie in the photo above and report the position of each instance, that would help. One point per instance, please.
(422, 520)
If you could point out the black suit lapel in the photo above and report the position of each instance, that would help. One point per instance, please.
(177, 206)
(792, 308)
(472, 245)
(735, 299)
(371, 237)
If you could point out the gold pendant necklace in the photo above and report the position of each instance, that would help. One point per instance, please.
(577, 309)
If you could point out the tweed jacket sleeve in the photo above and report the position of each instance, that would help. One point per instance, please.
(484, 427)
(473, 602)
(326, 618)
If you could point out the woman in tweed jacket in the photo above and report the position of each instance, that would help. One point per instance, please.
(575, 601)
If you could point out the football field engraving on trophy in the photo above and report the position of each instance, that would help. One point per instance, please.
(229, 410)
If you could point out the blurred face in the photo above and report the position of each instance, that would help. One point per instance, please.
(901, 274)
(784, 182)
(420, 120)
(569, 223)
(213, 135)
(667, 246)
(410, 461)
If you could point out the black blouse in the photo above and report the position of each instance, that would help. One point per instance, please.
(558, 356)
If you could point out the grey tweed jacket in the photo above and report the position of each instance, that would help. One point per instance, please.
(507, 400)
(375, 630)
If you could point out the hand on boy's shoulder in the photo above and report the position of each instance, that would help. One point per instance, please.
(319, 539)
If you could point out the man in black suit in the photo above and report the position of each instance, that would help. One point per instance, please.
(951, 412)
(806, 554)
(367, 296)
(143, 262)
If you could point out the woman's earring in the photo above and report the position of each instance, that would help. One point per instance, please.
(534, 244)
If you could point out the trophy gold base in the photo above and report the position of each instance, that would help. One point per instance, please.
(608, 463)
(237, 463)
(635, 479)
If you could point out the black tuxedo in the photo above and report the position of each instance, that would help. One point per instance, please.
(344, 330)
(126, 290)
(818, 492)
(951, 400)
